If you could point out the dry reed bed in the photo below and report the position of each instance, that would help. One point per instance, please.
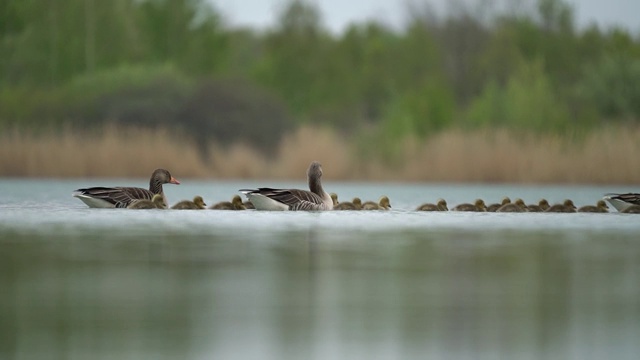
(606, 156)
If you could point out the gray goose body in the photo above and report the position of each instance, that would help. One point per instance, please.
(293, 199)
(121, 197)
(622, 201)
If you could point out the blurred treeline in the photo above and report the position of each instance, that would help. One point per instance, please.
(175, 64)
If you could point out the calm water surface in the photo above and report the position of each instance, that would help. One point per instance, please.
(80, 283)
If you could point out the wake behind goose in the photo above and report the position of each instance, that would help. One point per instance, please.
(293, 199)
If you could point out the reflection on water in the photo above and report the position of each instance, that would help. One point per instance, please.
(79, 283)
(380, 295)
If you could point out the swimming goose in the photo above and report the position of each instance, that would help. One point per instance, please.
(566, 207)
(156, 202)
(601, 207)
(440, 205)
(382, 204)
(478, 205)
(633, 209)
(121, 197)
(622, 201)
(235, 204)
(542, 205)
(293, 199)
(355, 204)
(516, 206)
(494, 207)
(196, 204)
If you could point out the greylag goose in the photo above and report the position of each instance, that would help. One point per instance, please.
(566, 207)
(121, 197)
(600, 207)
(516, 206)
(382, 204)
(156, 202)
(234, 204)
(633, 209)
(355, 204)
(494, 207)
(478, 205)
(542, 205)
(622, 201)
(293, 199)
(196, 204)
(440, 205)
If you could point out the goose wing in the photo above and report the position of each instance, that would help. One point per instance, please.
(294, 198)
(631, 198)
(120, 197)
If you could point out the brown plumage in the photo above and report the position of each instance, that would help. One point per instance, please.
(566, 207)
(157, 202)
(542, 205)
(478, 205)
(382, 204)
(196, 204)
(600, 207)
(334, 198)
(234, 204)
(494, 207)
(516, 206)
(121, 197)
(633, 209)
(248, 205)
(440, 205)
(355, 204)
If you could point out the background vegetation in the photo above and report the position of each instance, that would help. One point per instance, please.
(85, 67)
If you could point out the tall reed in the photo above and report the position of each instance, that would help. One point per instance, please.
(606, 156)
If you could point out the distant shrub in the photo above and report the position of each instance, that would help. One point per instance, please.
(613, 85)
(420, 112)
(527, 102)
(233, 110)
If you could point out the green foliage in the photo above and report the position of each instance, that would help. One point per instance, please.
(613, 86)
(528, 102)
(158, 62)
(419, 113)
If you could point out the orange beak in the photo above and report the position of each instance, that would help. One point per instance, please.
(174, 181)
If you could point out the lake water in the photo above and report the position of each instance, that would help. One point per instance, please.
(80, 283)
